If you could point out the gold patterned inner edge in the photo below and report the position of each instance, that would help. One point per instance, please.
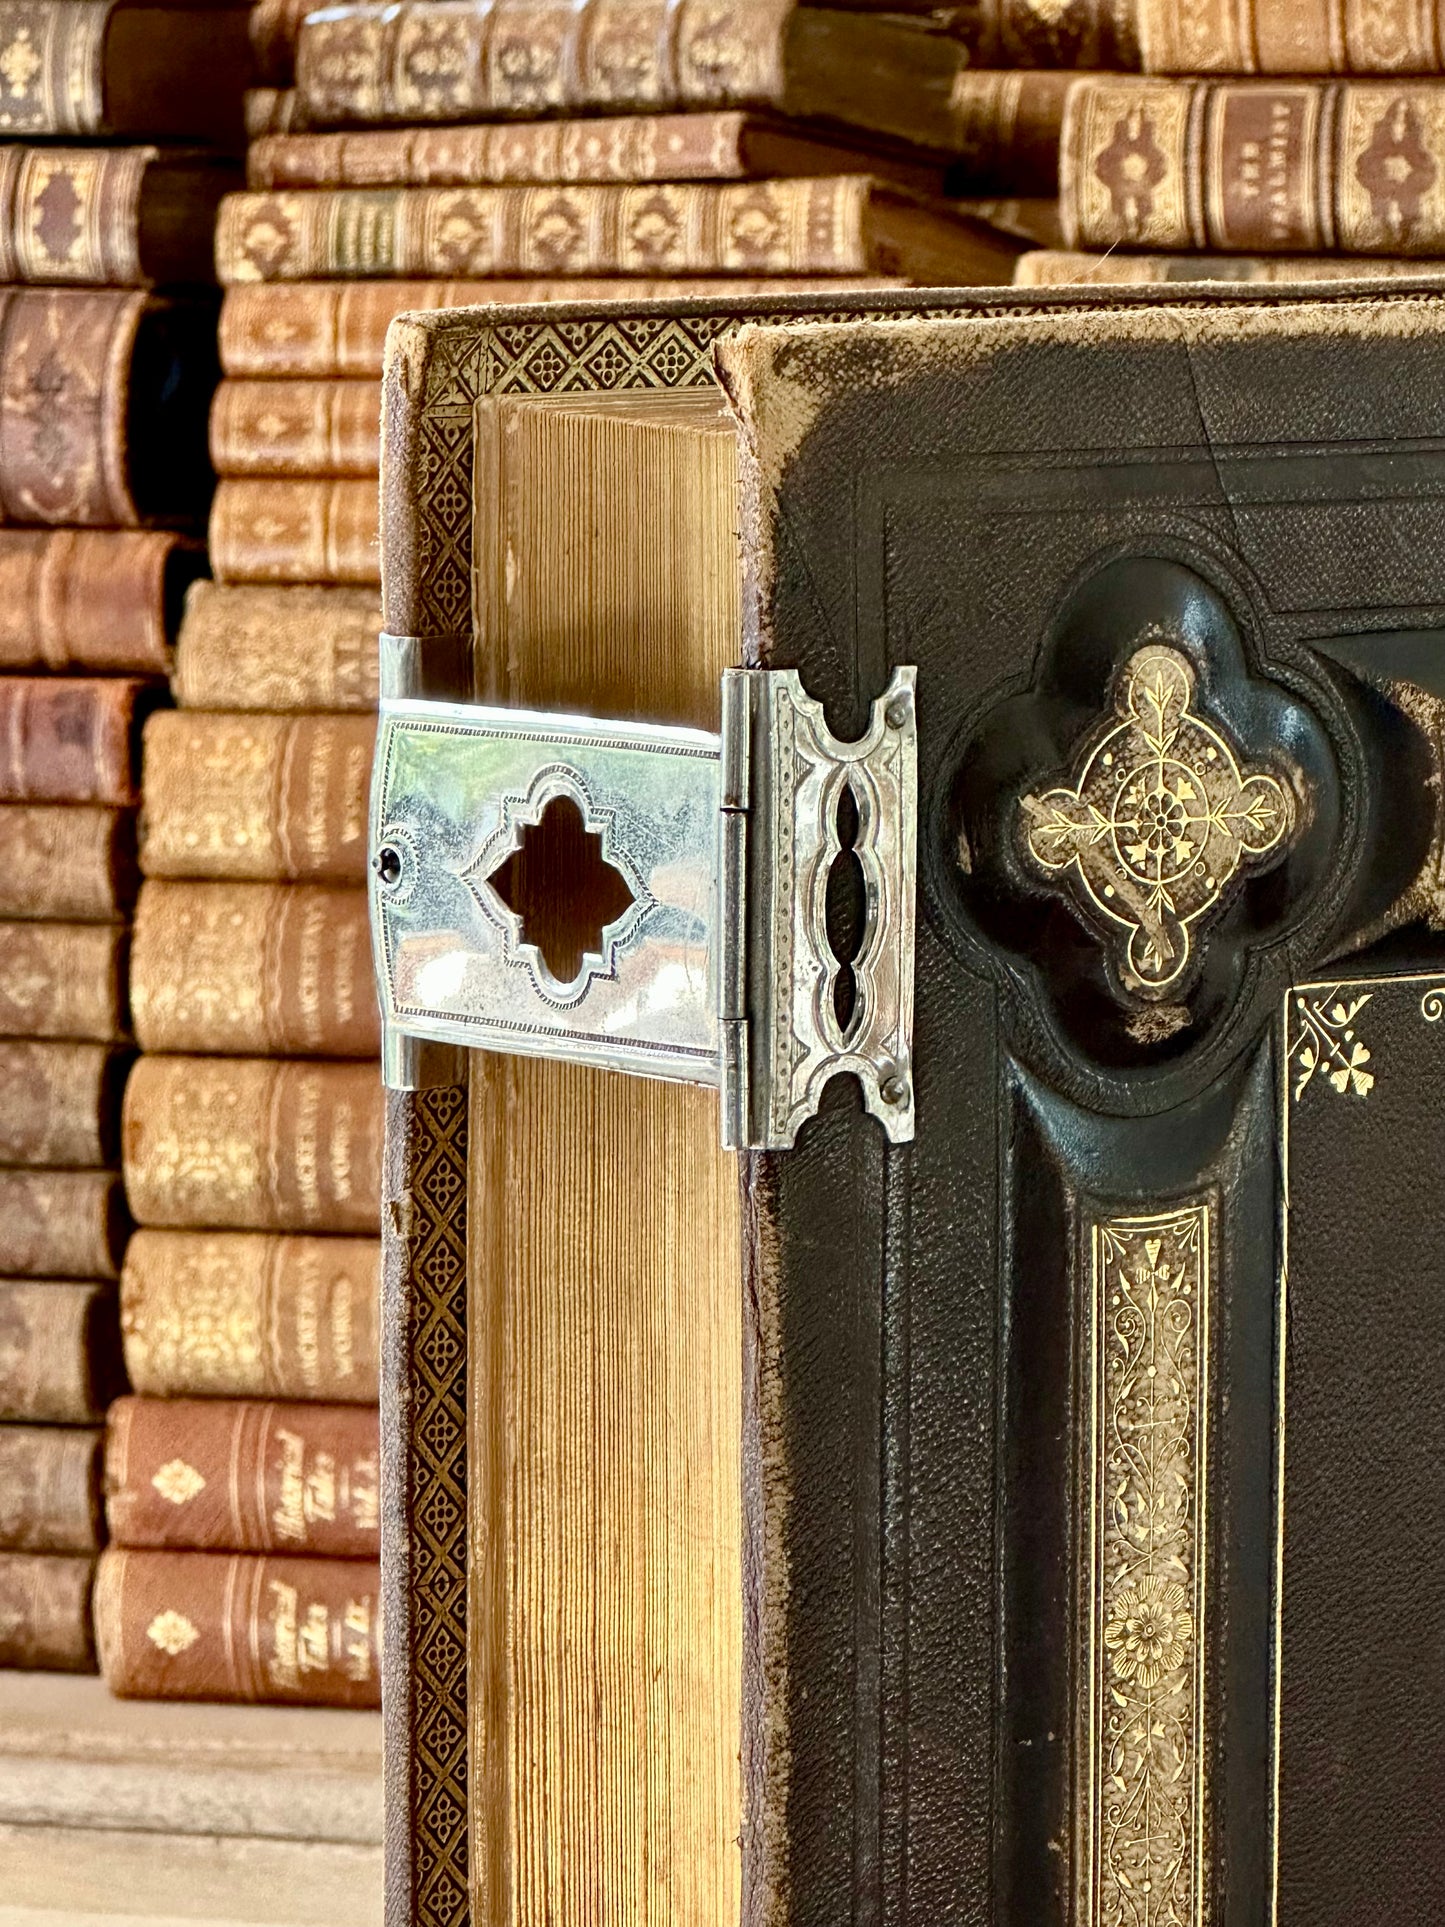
(1143, 1813)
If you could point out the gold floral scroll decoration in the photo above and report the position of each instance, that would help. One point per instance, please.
(1158, 821)
(1143, 1821)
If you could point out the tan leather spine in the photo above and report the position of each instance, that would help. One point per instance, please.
(279, 969)
(73, 214)
(243, 1475)
(1266, 167)
(65, 356)
(59, 49)
(61, 1224)
(421, 61)
(271, 110)
(1065, 268)
(228, 1626)
(71, 863)
(59, 1351)
(45, 1607)
(50, 1497)
(59, 1103)
(295, 531)
(255, 646)
(635, 147)
(86, 599)
(808, 226)
(68, 740)
(253, 1144)
(1285, 37)
(63, 980)
(256, 798)
(322, 328)
(239, 1314)
(296, 428)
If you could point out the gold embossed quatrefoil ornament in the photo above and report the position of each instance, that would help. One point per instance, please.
(1158, 822)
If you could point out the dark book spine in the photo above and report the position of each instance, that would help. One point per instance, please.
(243, 1475)
(50, 1488)
(45, 1621)
(60, 1356)
(70, 739)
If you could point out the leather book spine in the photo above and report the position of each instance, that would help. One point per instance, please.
(253, 1144)
(75, 864)
(1064, 268)
(295, 531)
(634, 147)
(274, 26)
(296, 428)
(60, 1103)
(91, 600)
(61, 1224)
(63, 980)
(50, 1488)
(60, 1358)
(45, 1598)
(272, 110)
(1256, 167)
(801, 226)
(1006, 129)
(73, 214)
(57, 53)
(329, 329)
(424, 60)
(1284, 37)
(255, 646)
(65, 367)
(238, 1314)
(69, 740)
(262, 969)
(1083, 34)
(256, 798)
(232, 1626)
(243, 1475)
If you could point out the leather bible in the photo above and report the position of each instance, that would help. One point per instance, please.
(1002, 1489)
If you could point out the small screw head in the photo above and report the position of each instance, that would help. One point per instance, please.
(896, 714)
(387, 865)
(894, 1090)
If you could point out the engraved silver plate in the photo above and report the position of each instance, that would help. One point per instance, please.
(719, 970)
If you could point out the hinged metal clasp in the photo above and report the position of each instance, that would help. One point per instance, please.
(719, 970)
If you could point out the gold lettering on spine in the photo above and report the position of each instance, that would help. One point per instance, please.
(1143, 1818)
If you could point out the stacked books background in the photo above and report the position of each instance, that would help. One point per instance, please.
(107, 363)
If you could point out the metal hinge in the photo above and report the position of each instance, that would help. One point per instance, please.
(719, 971)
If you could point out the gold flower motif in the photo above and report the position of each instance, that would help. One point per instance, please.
(172, 1632)
(177, 1482)
(1149, 1630)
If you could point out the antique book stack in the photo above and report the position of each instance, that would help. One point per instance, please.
(107, 364)
(1264, 140)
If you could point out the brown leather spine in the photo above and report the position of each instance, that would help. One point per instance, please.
(228, 1626)
(805, 226)
(1256, 167)
(323, 328)
(70, 740)
(296, 428)
(62, 1224)
(253, 1144)
(63, 980)
(243, 1475)
(295, 531)
(60, 1360)
(74, 863)
(1285, 37)
(72, 214)
(256, 798)
(1064, 268)
(50, 1488)
(59, 1103)
(421, 61)
(90, 599)
(274, 969)
(45, 1609)
(58, 54)
(272, 110)
(634, 147)
(255, 646)
(65, 360)
(274, 26)
(238, 1314)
